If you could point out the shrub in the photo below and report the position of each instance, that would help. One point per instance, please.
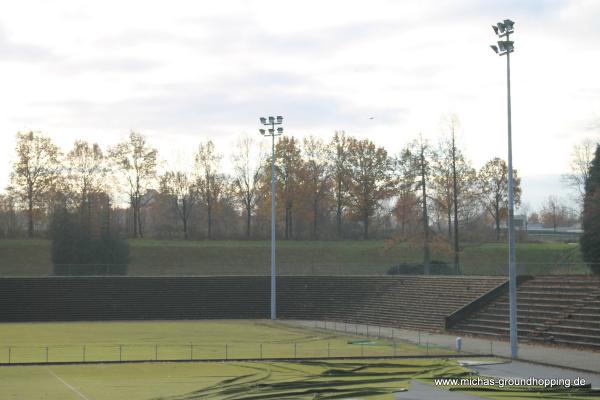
(76, 250)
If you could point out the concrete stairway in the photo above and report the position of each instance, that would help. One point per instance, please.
(551, 309)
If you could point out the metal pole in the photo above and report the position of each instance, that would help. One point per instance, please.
(512, 267)
(273, 271)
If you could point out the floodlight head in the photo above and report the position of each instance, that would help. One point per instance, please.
(271, 131)
(262, 131)
(495, 28)
(271, 120)
(279, 119)
(280, 130)
(509, 25)
(501, 27)
(506, 46)
(494, 47)
(263, 120)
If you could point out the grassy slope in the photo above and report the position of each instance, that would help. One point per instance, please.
(153, 257)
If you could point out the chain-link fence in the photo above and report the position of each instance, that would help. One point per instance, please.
(360, 341)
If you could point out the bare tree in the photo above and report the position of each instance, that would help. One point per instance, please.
(318, 180)
(137, 162)
(210, 182)
(289, 169)
(554, 213)
(493, 184)
(406, 176)
(581, 161)
(340, 173)
(422, 165)
(180, 187)
(35, 172)
(453, 181)
(87, 171)
(248, 173)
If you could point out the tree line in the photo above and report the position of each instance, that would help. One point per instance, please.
(344, 187)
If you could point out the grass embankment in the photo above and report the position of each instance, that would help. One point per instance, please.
(154, 257)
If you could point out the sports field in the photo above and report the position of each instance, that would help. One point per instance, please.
(325, 378)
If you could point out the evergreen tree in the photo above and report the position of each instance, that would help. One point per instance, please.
(590, 240)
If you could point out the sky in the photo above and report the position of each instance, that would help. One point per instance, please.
(185, 71)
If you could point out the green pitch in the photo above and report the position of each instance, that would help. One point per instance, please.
(183, 340)
(309, 379)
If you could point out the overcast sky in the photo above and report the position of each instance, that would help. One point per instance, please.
(184, 71)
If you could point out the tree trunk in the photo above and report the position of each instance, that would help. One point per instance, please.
(315, 217)
(449, 223)
(338, 218)
(184, 218)
(248, 220)
(209, 221)
(426, 250)
(455, 204)
(139, 207)
(30, 217)
(497, 221)
(135, 216)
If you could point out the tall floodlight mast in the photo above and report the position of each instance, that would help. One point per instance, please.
(503, 30)
(271, 122)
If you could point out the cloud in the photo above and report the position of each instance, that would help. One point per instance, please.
(22, 52)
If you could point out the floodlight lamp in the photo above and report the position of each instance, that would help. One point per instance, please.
(279, 119)
(495, 28)
(506, 46)
(263, 120)
(495, 48)
(262, 131)
(280, 130)
(271, 120)
(509, 25)
(271, 131)
(501, 27)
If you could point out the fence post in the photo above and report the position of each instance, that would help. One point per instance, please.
(120, 352)
(394, 349)
(226, 352)
(156, 352)
(419, 337)
(379, 333)
(46, 354)
(328, 350)
(295, 350)
(260, 350)
(9, 351)
(392, 333)
(367, 330)
(84, 353)
(362, 350)
(191, 351)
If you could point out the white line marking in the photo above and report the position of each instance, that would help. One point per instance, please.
(67, 385)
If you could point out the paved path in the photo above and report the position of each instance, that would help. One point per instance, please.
(555, 356)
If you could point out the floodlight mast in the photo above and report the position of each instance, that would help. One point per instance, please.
(272, 121)
(505, 47)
